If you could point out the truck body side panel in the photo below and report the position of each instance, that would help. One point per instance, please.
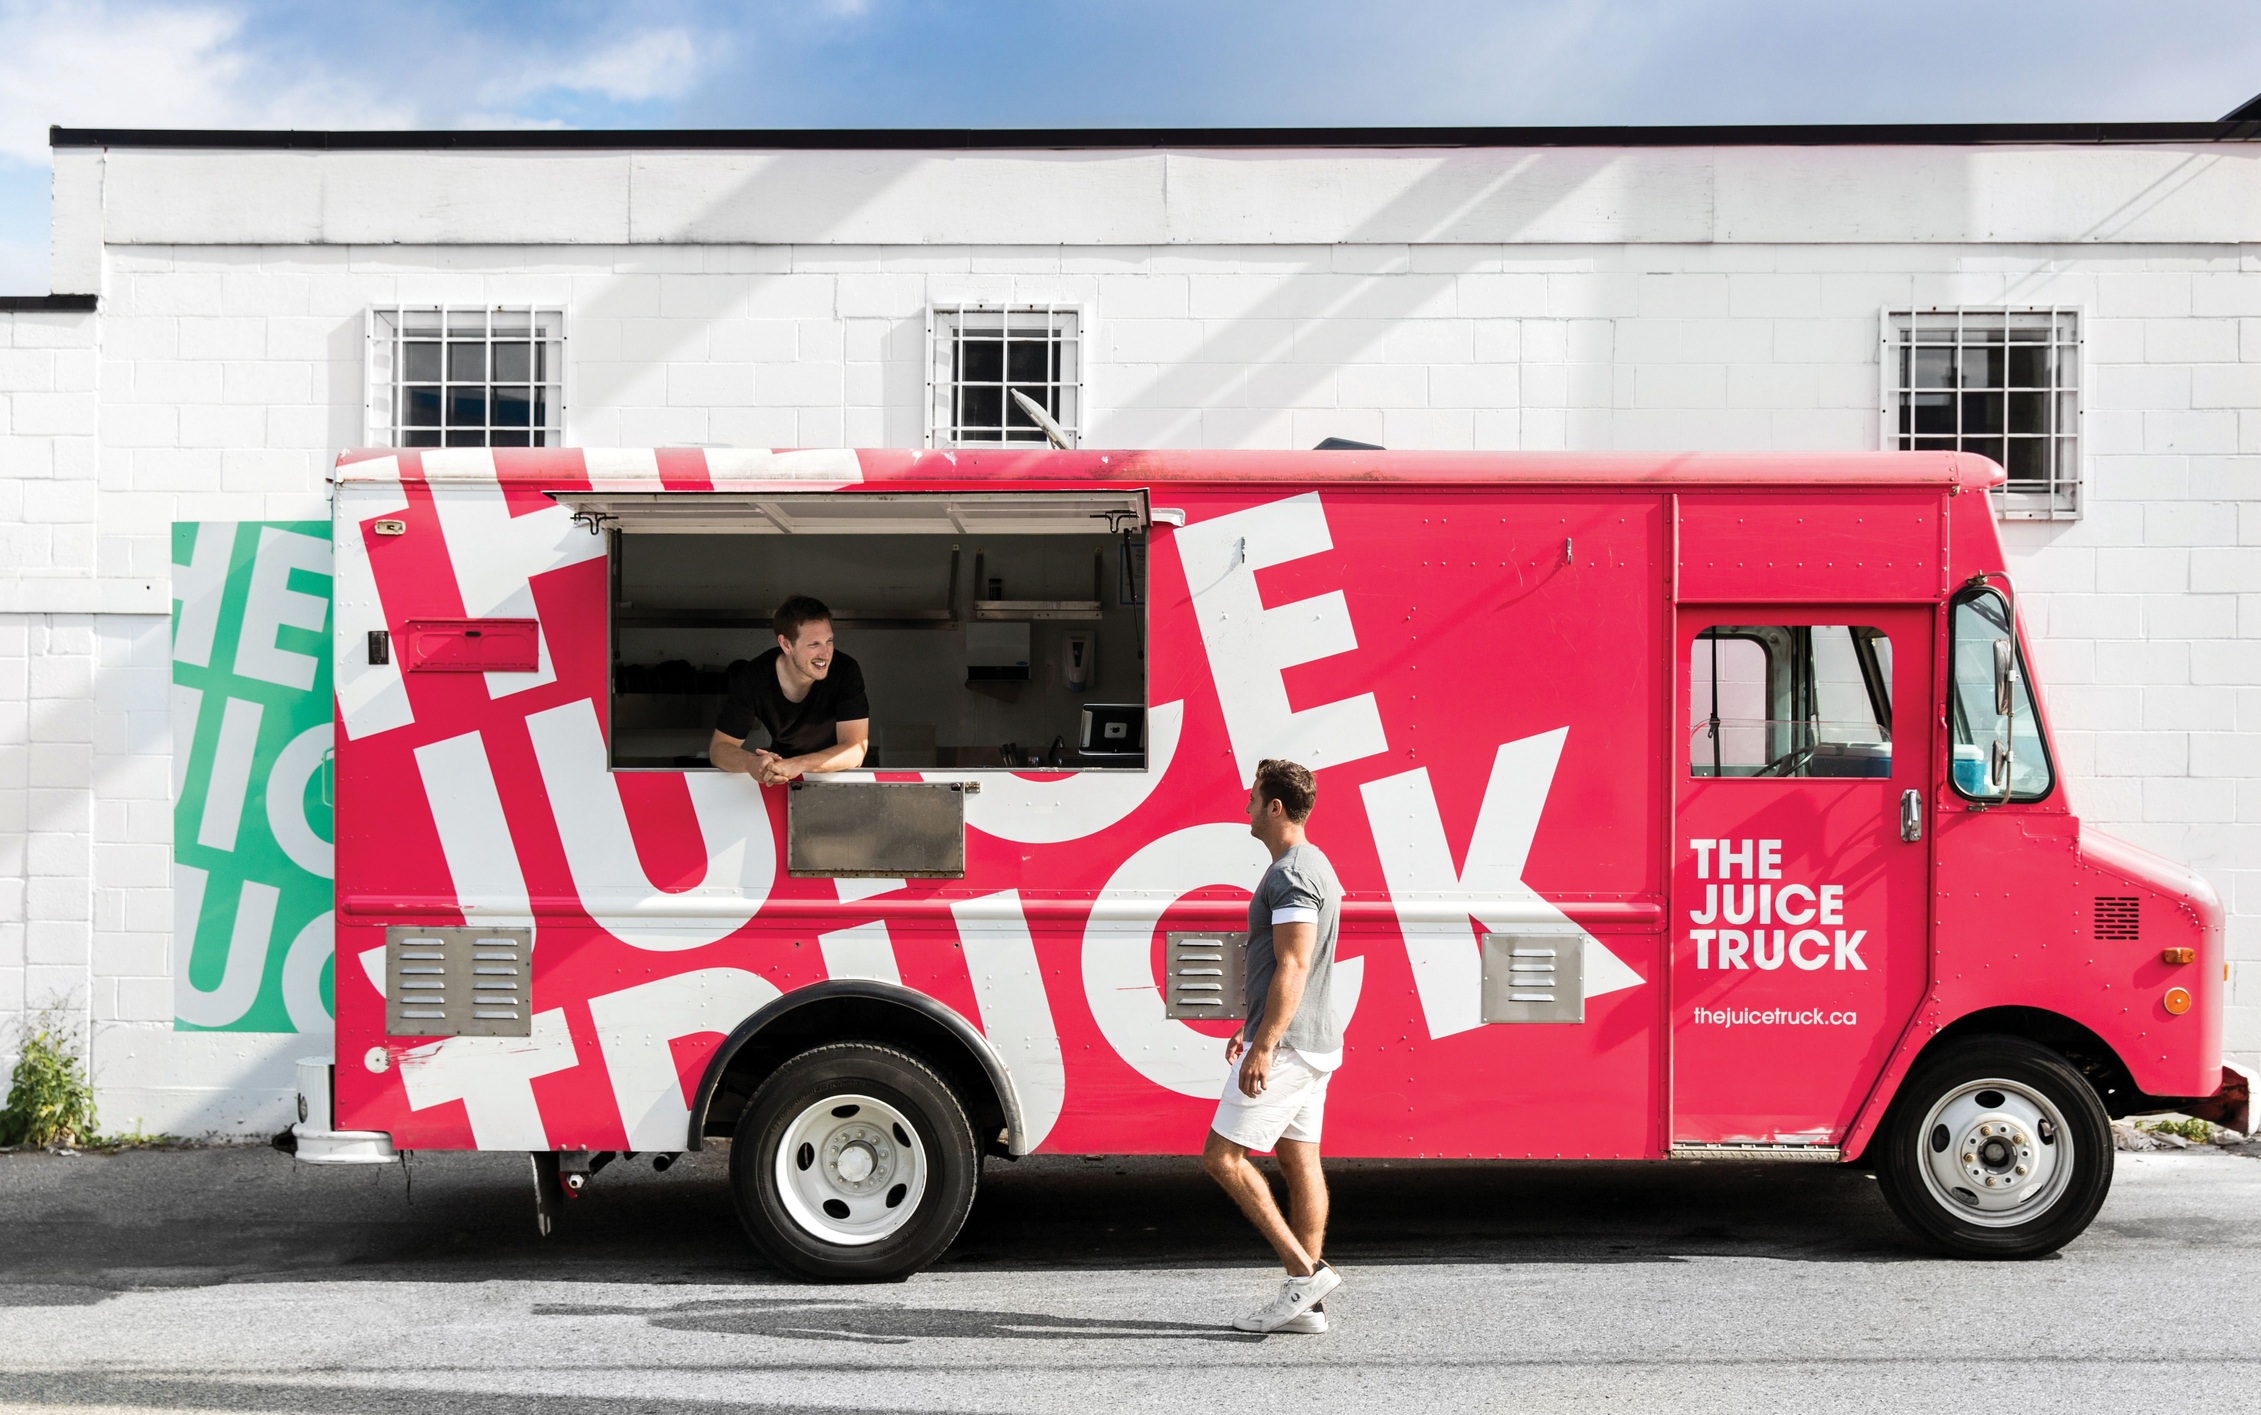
(1481, 658)
(1473, 671)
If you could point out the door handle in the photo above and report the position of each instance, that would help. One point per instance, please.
(1911, 816)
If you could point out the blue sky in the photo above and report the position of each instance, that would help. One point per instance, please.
(1004, 63)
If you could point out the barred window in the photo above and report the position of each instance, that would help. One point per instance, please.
(979, 356)
(453, 377)
(2004, 383)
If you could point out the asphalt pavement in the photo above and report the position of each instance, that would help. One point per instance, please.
(232, 1279)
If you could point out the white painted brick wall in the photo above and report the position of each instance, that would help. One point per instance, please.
(46, 821)
(227, 376)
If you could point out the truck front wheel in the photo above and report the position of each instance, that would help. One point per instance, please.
(1996, 1148)
(853, 1163)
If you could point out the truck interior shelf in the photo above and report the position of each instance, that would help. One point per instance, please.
(1036, 609)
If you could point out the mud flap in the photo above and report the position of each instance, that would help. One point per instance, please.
(2230, 1106)
(549, 1190)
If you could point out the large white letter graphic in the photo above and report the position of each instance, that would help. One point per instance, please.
(199, 587)
(246, 962)
(1118, 954)
(1016, 1013)
(371, 696)
(860, 951)
(1250, 645)
(1029, 812)
(482, 862)
(636, 1027)
(593, 825)
(494, 1078)
(272, 605)
(495, 554)
(1434, 901)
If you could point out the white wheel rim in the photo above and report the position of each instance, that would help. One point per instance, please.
(851, 1169)
(2007, 1156)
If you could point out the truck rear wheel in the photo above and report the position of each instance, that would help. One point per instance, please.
(1996, 1148)
(853, 1163)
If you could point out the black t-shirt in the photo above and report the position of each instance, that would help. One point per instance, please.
(794, 728)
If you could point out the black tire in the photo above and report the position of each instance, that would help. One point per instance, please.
(1936, 1189)
(931, 1132)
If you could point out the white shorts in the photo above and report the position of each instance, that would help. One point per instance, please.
(1293, 1106)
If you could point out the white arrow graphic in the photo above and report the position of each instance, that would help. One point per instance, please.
(1434, 901)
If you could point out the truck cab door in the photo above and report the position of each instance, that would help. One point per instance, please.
(1800, 883)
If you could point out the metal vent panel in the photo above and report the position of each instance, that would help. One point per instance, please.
(459, 982)
(2118, 916)
(1535, 974)
(1208, 972)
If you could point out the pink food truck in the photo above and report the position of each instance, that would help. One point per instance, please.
(1687, 807)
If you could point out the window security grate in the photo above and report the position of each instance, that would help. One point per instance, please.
(441, 377)
(2117, 917)
(2004, 383)
(980, 355)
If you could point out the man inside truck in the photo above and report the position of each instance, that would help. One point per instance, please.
(805, 692)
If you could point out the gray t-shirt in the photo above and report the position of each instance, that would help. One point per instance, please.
(1303, 885)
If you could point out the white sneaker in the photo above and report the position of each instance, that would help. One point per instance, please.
(1297, 1295)
(1311, 1323)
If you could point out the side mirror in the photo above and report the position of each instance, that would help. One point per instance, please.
(2005, 664)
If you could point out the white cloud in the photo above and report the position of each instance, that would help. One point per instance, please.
(158, 66)
(647, 66)
(191, 65)
(23, 269)
(196, 64)
(498, 120)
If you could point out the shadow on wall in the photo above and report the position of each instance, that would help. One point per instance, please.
(1297, 336)
(348, 372)
(1320, 319)
(47, 873)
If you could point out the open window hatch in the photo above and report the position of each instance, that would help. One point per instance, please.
(1001, 630)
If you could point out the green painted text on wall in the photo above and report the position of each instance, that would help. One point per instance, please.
(252, 778)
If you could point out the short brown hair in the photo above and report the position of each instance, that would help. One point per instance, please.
(793, 613)
(1288, 784)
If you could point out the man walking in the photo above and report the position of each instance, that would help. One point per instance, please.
(1285, 1051)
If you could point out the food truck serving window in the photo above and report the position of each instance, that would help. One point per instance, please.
(1981, 748)
(1001, 630)
(1793, 700)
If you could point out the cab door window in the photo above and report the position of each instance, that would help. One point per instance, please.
(1985, 739)
(1790, 700)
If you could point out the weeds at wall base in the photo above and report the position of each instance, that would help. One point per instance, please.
(50, 1100)
(2198, 1132)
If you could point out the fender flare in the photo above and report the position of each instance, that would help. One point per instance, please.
(1926, 1029)
(869, 990)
